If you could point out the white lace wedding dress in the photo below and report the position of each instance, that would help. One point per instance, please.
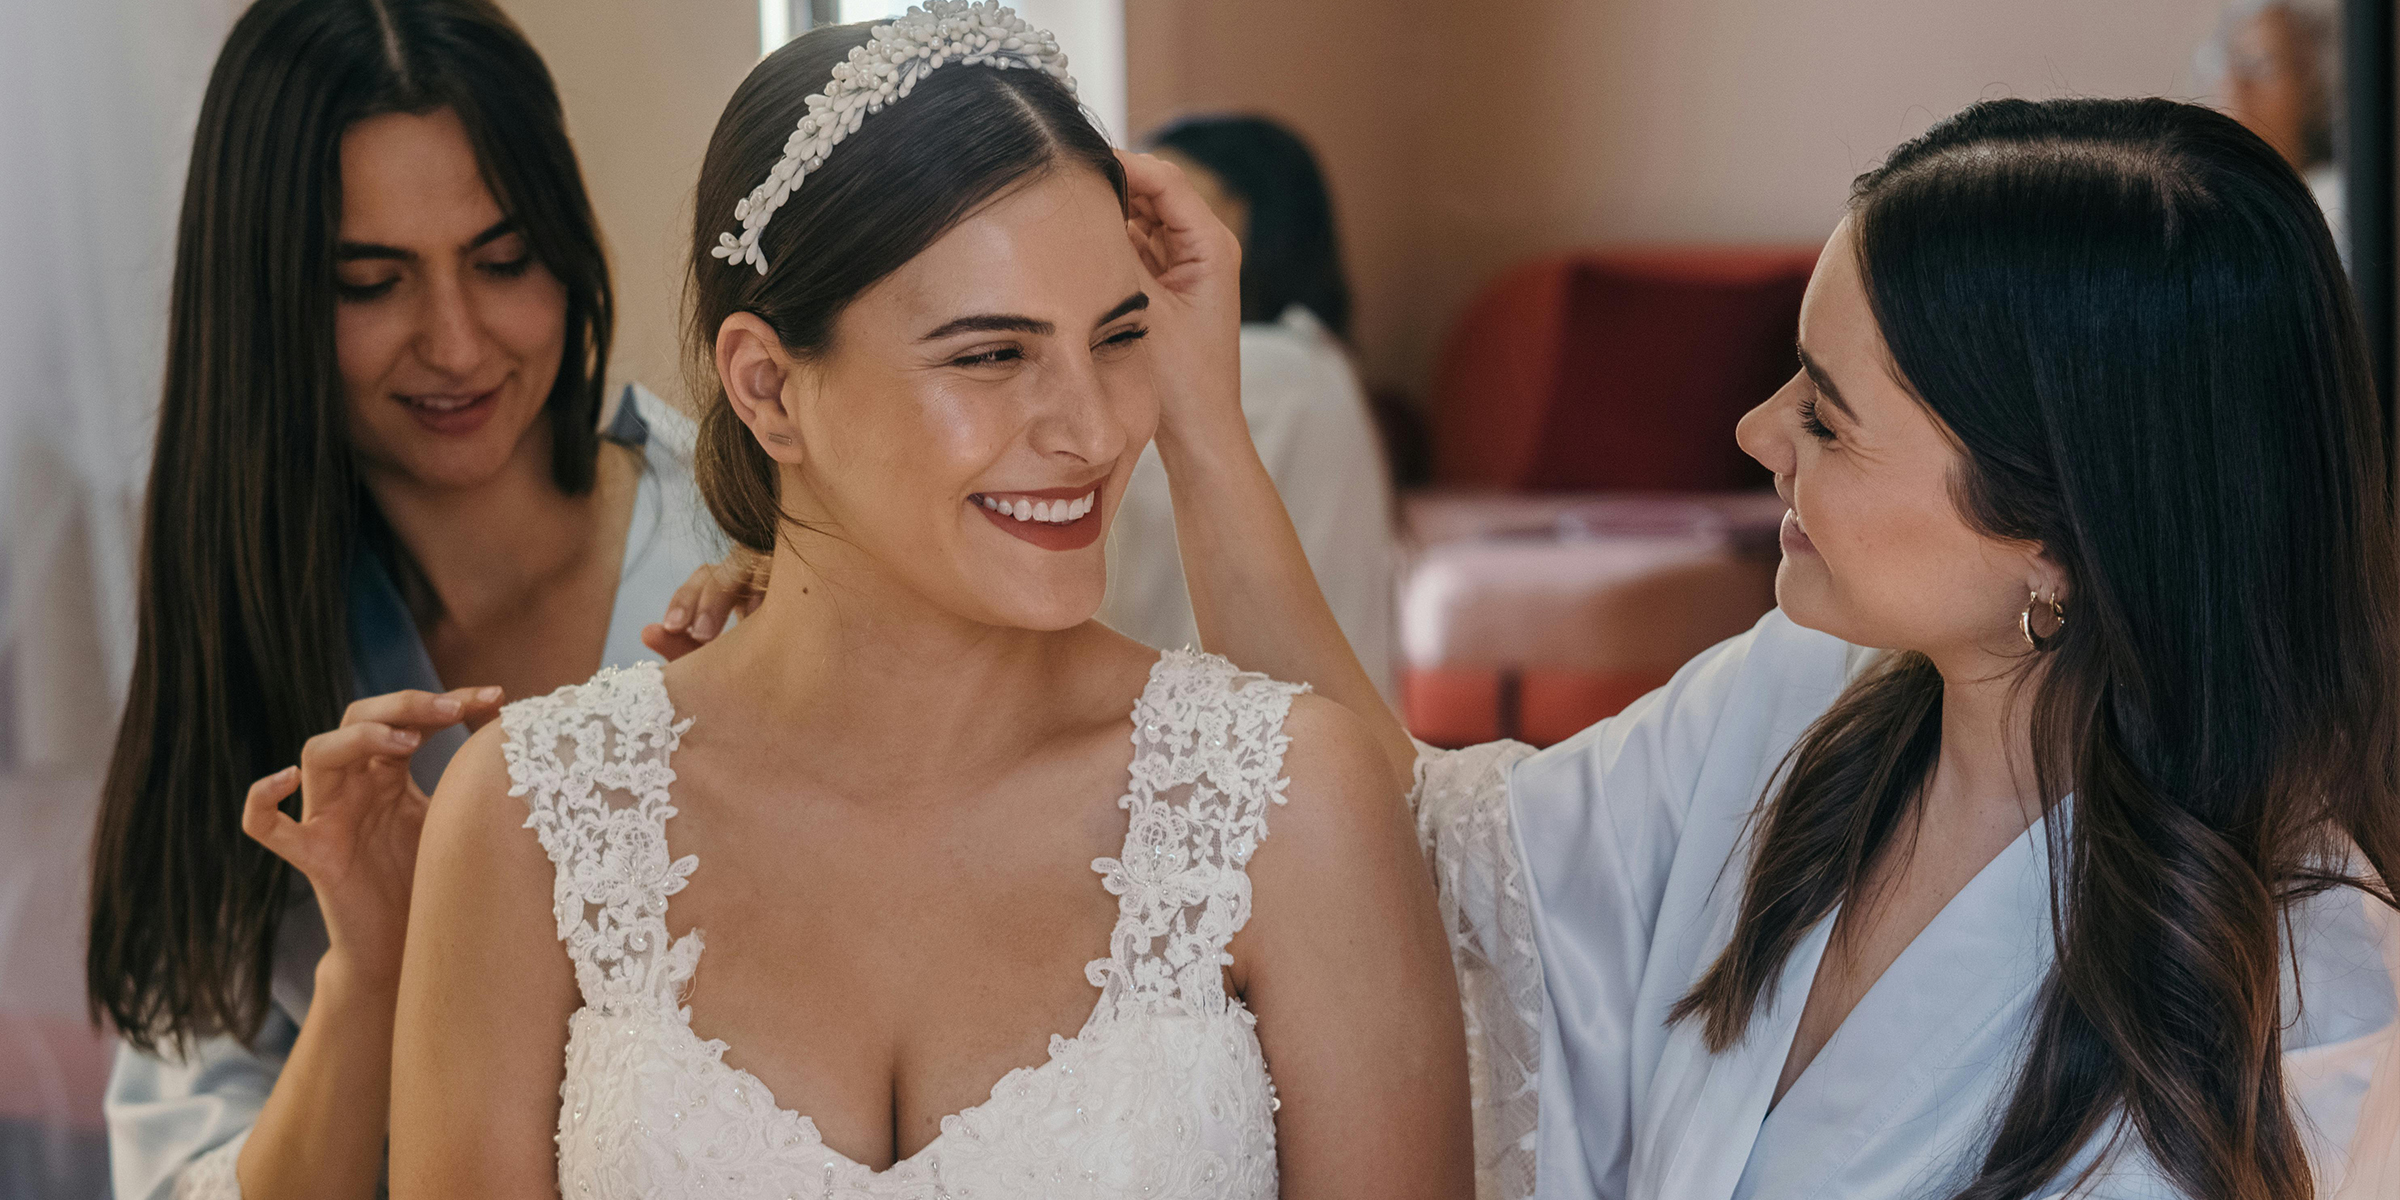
(1163, 1093)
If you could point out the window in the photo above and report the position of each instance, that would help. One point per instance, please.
(1091, 31)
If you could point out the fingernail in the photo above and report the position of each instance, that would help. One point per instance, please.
(704, 628)
(676, 617)
(287, 772)
(448, 707)
(406, 737)
(487, 695)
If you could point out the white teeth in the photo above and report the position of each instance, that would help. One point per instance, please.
(1049, 512)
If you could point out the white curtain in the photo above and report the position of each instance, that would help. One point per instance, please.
(100, 97)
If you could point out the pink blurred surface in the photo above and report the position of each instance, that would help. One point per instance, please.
(53, 1064)
(1532, 616)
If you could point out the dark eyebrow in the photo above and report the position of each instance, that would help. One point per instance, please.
(1130, 304)
(1823, 382)
(359, 251)
(500, 229)
(1010, 323)
(991, 323)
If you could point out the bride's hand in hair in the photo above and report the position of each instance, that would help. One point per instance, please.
(1196, 305)
(707, 602)
(360, 813)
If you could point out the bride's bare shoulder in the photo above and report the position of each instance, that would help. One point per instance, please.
(475, 837)
(1333, 761)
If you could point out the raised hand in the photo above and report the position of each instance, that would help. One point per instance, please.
(1196, 307)
(707, 602)
(360, 813)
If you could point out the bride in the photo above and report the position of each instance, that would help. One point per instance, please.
(771, 921)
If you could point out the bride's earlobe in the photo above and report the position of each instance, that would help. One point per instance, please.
(754, 368)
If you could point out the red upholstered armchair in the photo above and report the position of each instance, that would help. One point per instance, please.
(1617, 370)
(1590, 376)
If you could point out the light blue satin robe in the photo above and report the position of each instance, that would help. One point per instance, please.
(166, 1114)
(1631, 840)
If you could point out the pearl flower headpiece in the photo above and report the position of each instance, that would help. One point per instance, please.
(886, 69)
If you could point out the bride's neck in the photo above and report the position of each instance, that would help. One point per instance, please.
(839, 647)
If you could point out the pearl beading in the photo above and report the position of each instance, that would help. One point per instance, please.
(895, 58)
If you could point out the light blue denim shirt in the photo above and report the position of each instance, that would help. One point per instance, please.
(175, 1125)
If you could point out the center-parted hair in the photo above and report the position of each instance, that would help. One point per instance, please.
(255, 506)
(965, 136)
(2130, 316)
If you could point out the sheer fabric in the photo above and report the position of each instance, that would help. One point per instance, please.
(1463, 826)
(1163, 1093)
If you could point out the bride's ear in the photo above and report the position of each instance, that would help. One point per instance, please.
(757, 372)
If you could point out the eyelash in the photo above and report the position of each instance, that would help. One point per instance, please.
(993, 358)
(989, 358)
(372, 291)
(512, 269)
(1808, 418)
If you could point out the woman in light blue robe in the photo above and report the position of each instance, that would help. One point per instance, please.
(2062, 890)
(387, 494)
(176, 1123)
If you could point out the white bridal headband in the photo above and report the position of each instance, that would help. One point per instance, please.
(887, 68)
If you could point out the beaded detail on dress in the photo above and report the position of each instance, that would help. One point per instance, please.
(1163, 1093)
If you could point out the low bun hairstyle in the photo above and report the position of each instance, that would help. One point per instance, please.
(966, 135)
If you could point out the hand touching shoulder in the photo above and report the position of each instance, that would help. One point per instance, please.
(1345, 964)
(485, 992)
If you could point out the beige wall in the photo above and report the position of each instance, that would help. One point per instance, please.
(643, 82)
(1463, 137)
(1459, 137)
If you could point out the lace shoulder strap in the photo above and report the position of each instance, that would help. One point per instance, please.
(1208, 747)
(591, 762)
(1465, 828)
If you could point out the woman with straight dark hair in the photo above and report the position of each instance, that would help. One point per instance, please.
(2026, 849)
(1301, 395)
(380, 473)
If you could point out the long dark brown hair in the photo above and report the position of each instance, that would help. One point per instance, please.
(2130, 315)
(255, 506)
(964, 136)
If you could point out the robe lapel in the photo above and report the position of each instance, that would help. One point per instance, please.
(1905, 1092)
(1694, 1141)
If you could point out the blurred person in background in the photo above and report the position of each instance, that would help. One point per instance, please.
(380, 472)
(2276, 66)
(1306, 408)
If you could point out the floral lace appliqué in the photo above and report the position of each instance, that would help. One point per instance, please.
(1163, 1093)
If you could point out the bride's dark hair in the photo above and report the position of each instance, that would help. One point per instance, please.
(966, 135)
(2130, 317)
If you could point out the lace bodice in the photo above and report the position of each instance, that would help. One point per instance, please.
(1163, 1093)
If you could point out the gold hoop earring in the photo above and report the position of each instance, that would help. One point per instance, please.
(2058, 614)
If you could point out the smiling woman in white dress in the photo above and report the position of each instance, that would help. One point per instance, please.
(2055, 892)
(918, 881)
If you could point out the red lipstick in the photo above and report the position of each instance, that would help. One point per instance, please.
(1073, 533)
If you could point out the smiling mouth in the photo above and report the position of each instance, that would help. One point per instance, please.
(449, 402)
(1046, 511)
(1065, 518)
(453, 414)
